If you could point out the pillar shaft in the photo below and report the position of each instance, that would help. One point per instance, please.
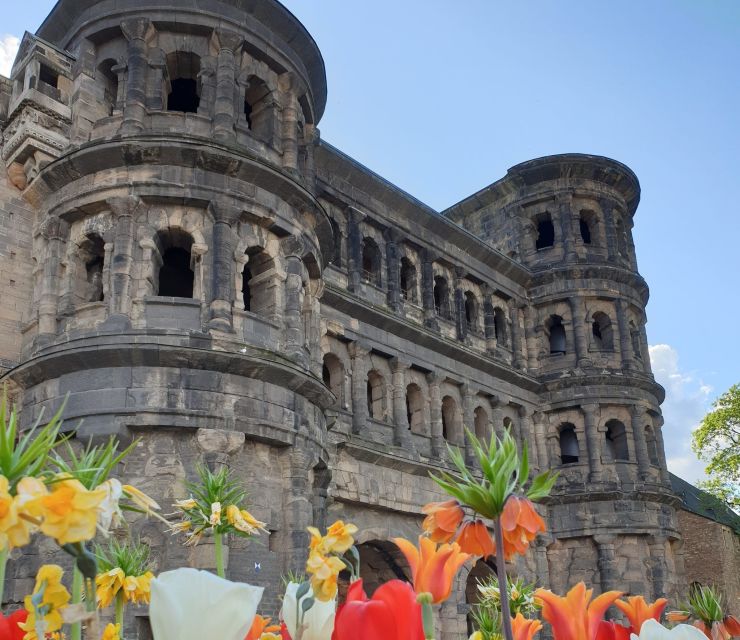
(360, 411)
(641, 450)
(593, 441)
(435, 414)
(401, 433)
(625, 341)
(224, 116)
(134, 109)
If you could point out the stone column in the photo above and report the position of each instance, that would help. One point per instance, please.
(516, 337)
(607, 208)
(393, 260)
(578, 312)
(435, 413)
(658, 429)
(544, 461)
(401, 433)
(354, 249)
(460, 321)
(638, 433)
(55, 232)
(497, 417)
(123, 210)
(297, 510)
(468, 422)
(290, 121)
(489, 327)
(225, 214)
(565, 215)
(607, 562)
(625, 341)
(593, 442)
(208, 78)
(134, 110)
(645, 349)
(526, 435)
(295, 339)
(530, 335)
(658, 567)
(358, 353)
(427, 290)
(224, 115)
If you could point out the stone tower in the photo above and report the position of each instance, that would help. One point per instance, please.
(194, 267)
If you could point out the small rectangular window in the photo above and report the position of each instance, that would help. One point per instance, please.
(47, 75)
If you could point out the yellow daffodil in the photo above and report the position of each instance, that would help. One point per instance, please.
(19, 534)
(108, 585)
(341, 536)
(243, 521)
(8, 513)
(140, 499)
(69, 513)
(112, 632)
(54, 597)
(324, 571)
(186, 505)
(215, 518)
(137, 588)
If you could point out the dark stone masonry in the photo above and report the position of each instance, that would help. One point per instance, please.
(183, 256)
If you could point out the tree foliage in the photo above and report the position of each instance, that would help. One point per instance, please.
(717, 442)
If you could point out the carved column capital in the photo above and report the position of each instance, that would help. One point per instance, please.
(136, 28)
(229, 40)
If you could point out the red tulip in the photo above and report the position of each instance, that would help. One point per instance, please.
(391, 614)
(612, 631)
(284, 632)
(9, 629)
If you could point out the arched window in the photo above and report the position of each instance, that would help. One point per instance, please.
(175, 274)
(545, 232)
(481, 423)
(258, 282)
(333, 375)
(508, 425)
(408, 280)
(601, 332)
(183, 68)
(569, 451)
(652, 445)
(108, 80)
(499, 327)
(450, 420)
(92, 255)
(471, 311)
(336, 258)
(441, 297)
(376, 396)
(556, 333)
(259, 109)
(371, 262)
(415, 408)
(585, 224)
(616, 440)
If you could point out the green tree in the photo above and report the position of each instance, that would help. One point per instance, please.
(717, 442)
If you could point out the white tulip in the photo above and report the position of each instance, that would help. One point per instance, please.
(652, 630)
(188, 604)
(319, 619)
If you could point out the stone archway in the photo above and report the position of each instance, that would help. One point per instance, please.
(480, 571)
(380, 561)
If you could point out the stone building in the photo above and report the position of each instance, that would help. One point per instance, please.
(184, 258)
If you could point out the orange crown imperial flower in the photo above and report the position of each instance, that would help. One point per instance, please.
(475, 539)
(520, 524)
(575, 616)
(260, 627)
(433, 568)
(442, 519)
(637, 610)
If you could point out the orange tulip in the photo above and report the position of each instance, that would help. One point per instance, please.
(576, 616)
(259, 626)
(443, 519)
(475, 539)
(524, 629)
(433, 569)
(637, 610)
(520, 524)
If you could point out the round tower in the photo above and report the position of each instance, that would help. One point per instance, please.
(178, 250)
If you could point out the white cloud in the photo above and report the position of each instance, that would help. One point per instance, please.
(8, 50)
(687, 401)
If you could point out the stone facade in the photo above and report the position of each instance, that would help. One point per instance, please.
(193, 266)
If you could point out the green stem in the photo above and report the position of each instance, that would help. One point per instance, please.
(119, 608)
(3, 564)
(220, 555)
(427, 614)
(76, 631)
(503, 586)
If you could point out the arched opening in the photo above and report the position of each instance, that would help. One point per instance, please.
(556, 334)
(482, 573)
(415, 408)
(336, 257)
(371, 262)
(616, 440)
(441, 297)
(176, 276)
(376, 396)
(380, 562)
(545, 232)
(332, 374)
(450, 417)
(585, 224)
(508, 424)
(92, 255)
(569, 452)
(471, 311)
(499, 327)
(258, 282)
(184, 95)
(602, 332)
(108, 80)
(259, 109)
(652, 445)
(408, 280)
(481, 423)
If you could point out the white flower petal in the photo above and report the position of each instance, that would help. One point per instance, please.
(188, 604)
(653, 630)
(319, 618)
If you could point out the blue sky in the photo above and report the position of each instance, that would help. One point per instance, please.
(442, 103)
